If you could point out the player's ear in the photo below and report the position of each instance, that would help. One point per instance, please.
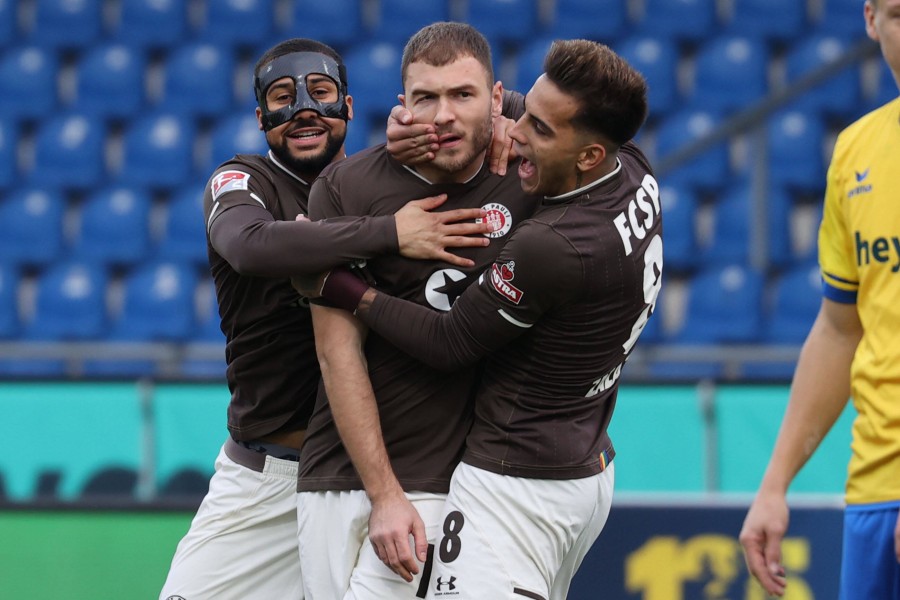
(349, 101)
(259, 118)
(590, 157)
(497, 99)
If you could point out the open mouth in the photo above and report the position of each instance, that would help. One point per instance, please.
(307, 136)
(526, 169)
(449, 141)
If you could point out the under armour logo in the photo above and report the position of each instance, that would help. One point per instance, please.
(441, 583)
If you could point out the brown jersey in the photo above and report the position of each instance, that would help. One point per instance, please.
(559, 311)
(272, 369)
(425, 413)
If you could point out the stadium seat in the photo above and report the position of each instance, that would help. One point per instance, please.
(841, 17)
(374, 73)
(724, 306)
(110, 81)
(338, 23)
(398, 20)
(65, 24)
(184, 228)
(157, 306)
(775, 20)
(198, 80)
(9, 152)
(887, 87)
(9, 23)
(796, 301)
(530, 63)
(504, 21)
(796, 151)
(731, 73)
(31, 226)
(70, 152)
(9, 301)
(70, 303)
(207, 332)
(707, 171)
(236, 23)
(233, 134)
(657, 60)
(186, 484)
(114, 226)
(151, 24)
(28, 73)
(158, 151)
(680, 248)
(110, 482)
(602, 20)
(838, 96)
(685, 20)
(733, 222)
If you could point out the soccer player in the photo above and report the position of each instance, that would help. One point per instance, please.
(243, 542)
(557, 315)
(404, 459)
(851, 350)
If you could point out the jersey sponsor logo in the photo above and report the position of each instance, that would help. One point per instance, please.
(640, 214)
(501, 279)
(880, 250)
(229, 181)
(605, 382)
(445, 583)
(861, 176)
(498, 217)
(175, 598)
(444, 287)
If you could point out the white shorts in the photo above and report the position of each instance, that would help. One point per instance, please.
(514, 538)
(336, 554)
(242, 543)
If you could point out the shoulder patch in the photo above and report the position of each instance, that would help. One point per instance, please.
(229, 181)
(501, 280)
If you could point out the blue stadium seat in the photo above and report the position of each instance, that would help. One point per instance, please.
(66, 24)
(115, 226)
(157, 306)
(9, 151)
(398, 20)
(184, 229)
(796, 151)
(530, 63)
(657, 60)
(840, 95)
(338, 23)
(887, 87)
(237, 133)
(796, 301)
(769, 19)
(208, 331)
(70, 152)
(28, 73)
(709, 170)
(70, 303)
(732, 228)
(374, 73)
(680, 250)
(237, 23)
(198, 80)
(158, 151)
(9, 301)
(110, 81)
(724, 306)
(601, 20)
(684, 20)
(842, 17)
(505, 21)
(151, 24)
(31, 226)
(731, 72)
(9, 23)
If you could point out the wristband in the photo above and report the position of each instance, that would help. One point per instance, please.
(344, 289)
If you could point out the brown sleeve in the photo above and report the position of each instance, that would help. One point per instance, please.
(255, 243)
(513, 105)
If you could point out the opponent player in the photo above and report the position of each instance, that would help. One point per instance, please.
(558, 313)
(243, 541)
(851, 350)
(424, 414)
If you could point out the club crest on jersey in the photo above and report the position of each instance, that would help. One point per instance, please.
(501, 278)
(229, 181)
(498, 217)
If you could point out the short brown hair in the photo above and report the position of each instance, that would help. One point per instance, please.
(442, 43)
(612, 95)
